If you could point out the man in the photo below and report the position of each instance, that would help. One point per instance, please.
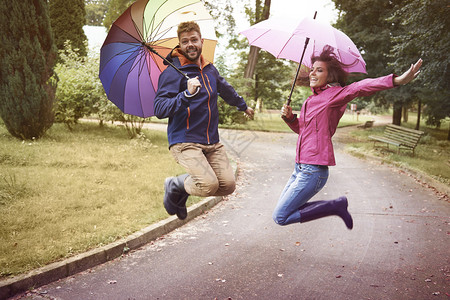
(191, 106)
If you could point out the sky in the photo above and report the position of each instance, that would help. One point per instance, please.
(301, 8)
(293, 9)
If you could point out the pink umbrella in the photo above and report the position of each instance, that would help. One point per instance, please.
(285, 38)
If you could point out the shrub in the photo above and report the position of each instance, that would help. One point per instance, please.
(80, 92)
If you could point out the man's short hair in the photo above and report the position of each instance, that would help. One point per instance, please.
(188, 27)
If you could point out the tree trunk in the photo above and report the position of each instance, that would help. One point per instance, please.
(252, 60)
(256, 88)
(448, 136)
(419, 111)
(254, 51)
(405, 114)
(397, 114)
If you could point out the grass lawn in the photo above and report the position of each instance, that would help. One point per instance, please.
(271, 121)
(432, 155)
(72, 191)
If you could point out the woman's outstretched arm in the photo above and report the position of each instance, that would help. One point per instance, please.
(408, 75)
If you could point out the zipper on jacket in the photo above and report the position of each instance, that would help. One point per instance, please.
(209, 99)
(188, 116)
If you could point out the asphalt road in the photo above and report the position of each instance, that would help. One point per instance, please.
(398, 249)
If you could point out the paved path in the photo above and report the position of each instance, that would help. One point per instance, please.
(398, 249)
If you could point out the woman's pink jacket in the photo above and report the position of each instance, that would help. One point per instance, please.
(320, 115)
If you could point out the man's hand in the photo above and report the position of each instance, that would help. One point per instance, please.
(249, 113)
(193, 84)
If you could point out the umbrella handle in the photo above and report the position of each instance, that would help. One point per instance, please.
(288, 102)
(166, 60)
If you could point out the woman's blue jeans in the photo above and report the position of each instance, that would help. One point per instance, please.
(304, 183)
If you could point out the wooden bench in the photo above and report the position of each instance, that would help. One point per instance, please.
(368, 124)
(403, 138)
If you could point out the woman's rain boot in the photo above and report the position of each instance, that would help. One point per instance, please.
(319, 209)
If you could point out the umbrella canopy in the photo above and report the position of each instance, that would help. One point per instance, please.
(131, 58)
(286, 38)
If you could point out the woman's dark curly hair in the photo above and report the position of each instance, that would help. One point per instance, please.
(336, 72)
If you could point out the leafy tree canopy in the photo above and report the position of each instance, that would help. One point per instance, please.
(393, 34)
(96, 11)
(68, 18)
(26, 68)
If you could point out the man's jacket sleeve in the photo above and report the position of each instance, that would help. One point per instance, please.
(228, 93)
(169, 99)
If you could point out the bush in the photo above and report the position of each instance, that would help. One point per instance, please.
(80, 92)
(229, 114)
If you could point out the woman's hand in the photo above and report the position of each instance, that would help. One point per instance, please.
(409, 75)
(286, 112)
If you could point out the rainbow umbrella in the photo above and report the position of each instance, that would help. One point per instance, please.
(133, 54)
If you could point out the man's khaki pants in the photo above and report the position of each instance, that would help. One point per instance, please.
(208, 166)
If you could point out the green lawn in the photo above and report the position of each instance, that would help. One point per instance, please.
(432, 155)
(271, 121)
(72, 191)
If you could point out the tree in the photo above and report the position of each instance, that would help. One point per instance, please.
(265, 77)
(68, 18)
(261, 13)
(28, 54)
(96, 11)
(421, 22)
(115, 9)
(272, 79)
(367, 23)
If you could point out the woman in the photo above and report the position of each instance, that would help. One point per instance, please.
(317, 123)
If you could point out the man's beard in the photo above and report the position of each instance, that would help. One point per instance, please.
(199, 52)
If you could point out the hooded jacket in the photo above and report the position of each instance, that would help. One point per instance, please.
(192, 118)
(320, 115)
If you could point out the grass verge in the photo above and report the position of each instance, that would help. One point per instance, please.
(69, 192)
(271, 121)
(432, 155)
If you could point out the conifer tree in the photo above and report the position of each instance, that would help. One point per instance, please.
(68, 18)
(28, 55)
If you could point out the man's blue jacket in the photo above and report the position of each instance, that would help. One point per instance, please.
(193, 118)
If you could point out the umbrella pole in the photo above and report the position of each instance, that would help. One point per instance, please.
(165, 59)
(298, 71)
(288, 102)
